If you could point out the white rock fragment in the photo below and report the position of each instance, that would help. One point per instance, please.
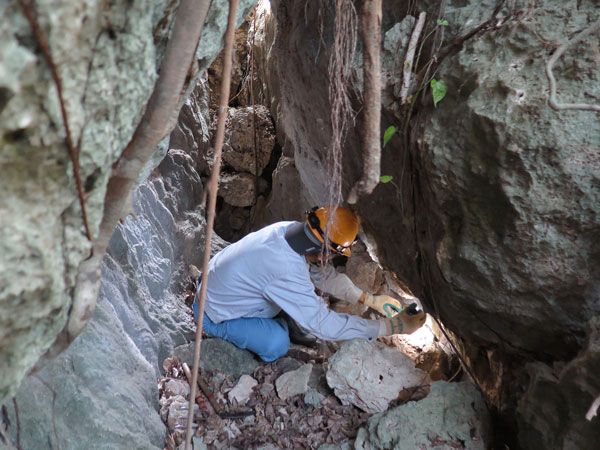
(369, 375)
(177, 387)
(242, 390)
(294, 382)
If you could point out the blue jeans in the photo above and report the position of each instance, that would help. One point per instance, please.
(268, 338)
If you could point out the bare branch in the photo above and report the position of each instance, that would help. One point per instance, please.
(30, 13)
(371, 31)
(552, 100)
(212, 186)
(410, 56)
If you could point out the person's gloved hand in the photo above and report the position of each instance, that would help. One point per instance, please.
(384, 304)
(407, 321)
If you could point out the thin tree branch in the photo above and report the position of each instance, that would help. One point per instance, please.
(158, 120)
(410, 56)
(212, 187)
(552, 100)
(371, 31)
(30, 13)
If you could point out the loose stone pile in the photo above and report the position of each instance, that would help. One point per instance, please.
(308, 400)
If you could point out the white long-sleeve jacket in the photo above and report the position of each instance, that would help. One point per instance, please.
(261, 274)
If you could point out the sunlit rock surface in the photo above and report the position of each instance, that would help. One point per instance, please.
(369, 375)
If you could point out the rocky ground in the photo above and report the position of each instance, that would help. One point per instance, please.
(333, 396)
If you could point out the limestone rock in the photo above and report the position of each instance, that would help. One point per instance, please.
(177, 387)
(363, 271)
(369, 374)
(239, 189)
(313, 397)
(238, 68)
(495, 198)
(108, 55)
(241, 391)
(192, 132)
(105, 382)
(453, 415)
(294, 382)
(551, 412)
(239, 149)
(221, 355)
(288, 199)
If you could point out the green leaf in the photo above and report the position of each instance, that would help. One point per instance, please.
(388, 134)
(443, 23)
(386, 178)
(439, 90)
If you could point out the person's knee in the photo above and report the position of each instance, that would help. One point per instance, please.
(277, 346)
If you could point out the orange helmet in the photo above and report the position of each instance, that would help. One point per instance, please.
(342, 230)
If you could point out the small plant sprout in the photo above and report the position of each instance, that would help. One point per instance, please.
(438, 87)
(443, 23)
(386, 178)
(389, 132)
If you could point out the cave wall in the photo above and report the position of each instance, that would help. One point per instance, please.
(492, 216)
(107, 55)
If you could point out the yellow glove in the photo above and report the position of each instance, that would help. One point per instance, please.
(384, 304)
(407, 321)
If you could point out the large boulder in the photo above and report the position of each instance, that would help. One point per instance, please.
(104, 385)
(107, 55)
(552, 413)
(492, 215)
(249, 139)
(452, 416)
(369, 375)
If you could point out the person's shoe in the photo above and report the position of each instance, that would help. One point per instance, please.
(298, 335)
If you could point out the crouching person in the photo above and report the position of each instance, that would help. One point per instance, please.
(260, 286)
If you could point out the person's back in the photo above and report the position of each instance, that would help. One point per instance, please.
(240, 273)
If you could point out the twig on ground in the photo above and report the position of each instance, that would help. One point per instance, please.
(214, 407)
(30, 13)
(371, 32)
(410, 56)
(552, 100)
(212, 186)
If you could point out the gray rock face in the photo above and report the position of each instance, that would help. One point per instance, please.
(239, 149)
(192, 132)
(518, 187)
(289, 198)
(107, 55)
(105, 383)
(453, 415)
(239, 189)
(552, 412)
(42, 231)
(294, 382)
(493, 217)
(369, 375)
